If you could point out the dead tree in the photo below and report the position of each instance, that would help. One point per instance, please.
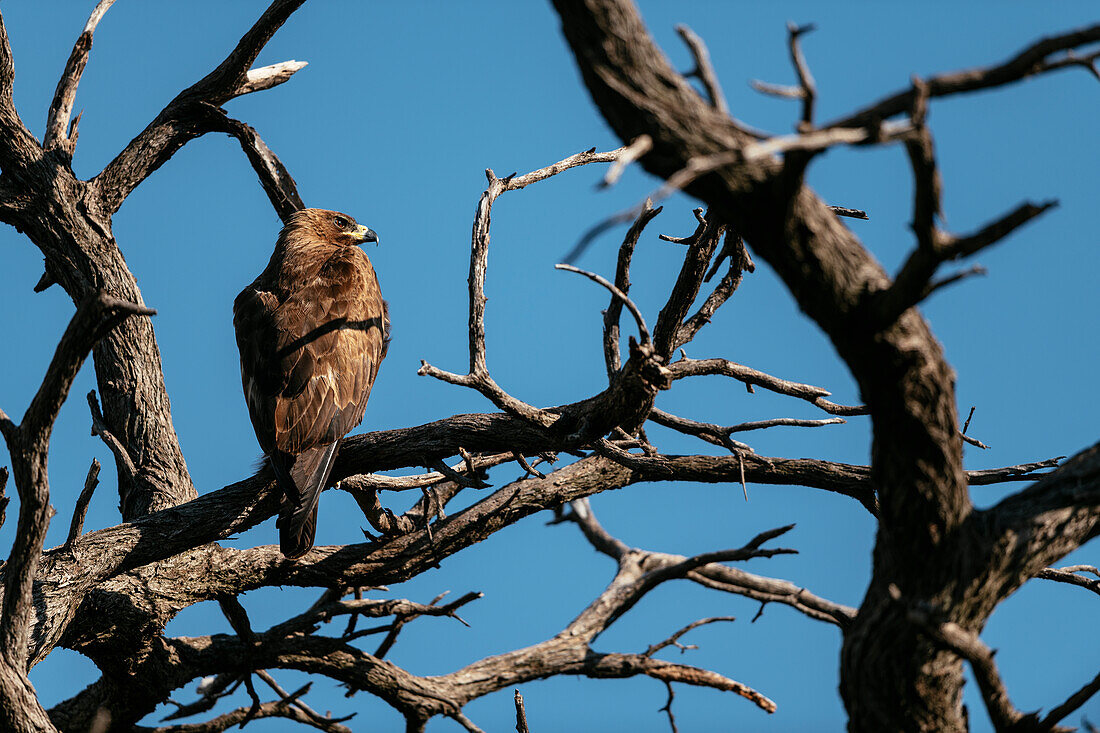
(940, 565)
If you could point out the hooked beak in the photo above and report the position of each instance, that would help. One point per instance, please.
(365, 234)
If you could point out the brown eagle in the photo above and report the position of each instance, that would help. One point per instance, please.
(312, 330)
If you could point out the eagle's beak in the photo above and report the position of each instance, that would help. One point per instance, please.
(365, 234)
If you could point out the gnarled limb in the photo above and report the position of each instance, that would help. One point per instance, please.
(29, 445)
(19, 149)
(478, 376)
(1037, 58)
(888, 675)
(717, 576)
(57, 137)
(70, 223)
(182, 119)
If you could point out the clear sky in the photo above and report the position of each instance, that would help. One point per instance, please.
(401, 108)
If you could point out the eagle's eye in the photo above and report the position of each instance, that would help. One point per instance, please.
(340, 222)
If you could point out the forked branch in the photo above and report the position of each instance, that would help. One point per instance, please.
(61, 108)
(186, 116)
(478, 376)
(29, 445)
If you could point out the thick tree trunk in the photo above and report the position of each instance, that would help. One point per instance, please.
(81, 254)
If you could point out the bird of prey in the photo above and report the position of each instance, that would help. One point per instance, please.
(312, 330)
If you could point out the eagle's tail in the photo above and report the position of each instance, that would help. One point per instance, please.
(302, 479)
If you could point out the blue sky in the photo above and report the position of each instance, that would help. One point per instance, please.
(402, 107)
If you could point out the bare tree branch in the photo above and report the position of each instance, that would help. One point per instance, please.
(853, 213)
(703, 70)
(1070, 575)
(1068, 496)
(182, 120)
(635, 150)
(686, 367)
(282, 708)
(805, 78)
(966, 643)
(19, 148)
(478, 376)
(718, 577)
(123, 462)
(912, 283)
(674, 640)
(1029, 61)
(61, 108)
(611, 316)
(274, 177)
(764, 152)
(1075, 701)
(4, 499)
(76, 527)
(898, 364)
(420, 698)
(29, 446)
(701, 245)
(806, 89)
(521, 714)
(643, 330)
(711, 433)
(733, 250)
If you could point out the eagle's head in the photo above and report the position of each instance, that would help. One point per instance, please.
(332, 227)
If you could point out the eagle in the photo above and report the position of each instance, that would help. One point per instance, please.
(312, 330)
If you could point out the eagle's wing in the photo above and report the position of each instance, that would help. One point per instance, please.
(308, 363)
(307, 366)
